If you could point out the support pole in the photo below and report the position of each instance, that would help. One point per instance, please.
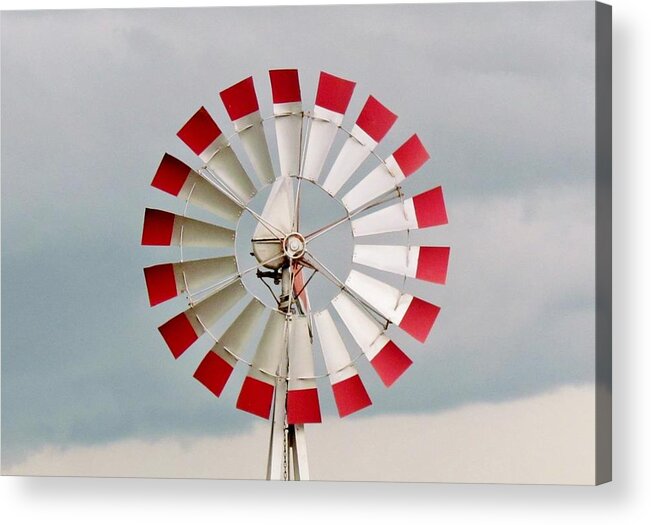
(287, 444)
(277, 467)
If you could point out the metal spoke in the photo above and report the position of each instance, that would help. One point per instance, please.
(339, 283)
(297, 204)
(326, 229)
(393, 194)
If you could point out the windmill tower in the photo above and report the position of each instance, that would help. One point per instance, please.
(281, 383)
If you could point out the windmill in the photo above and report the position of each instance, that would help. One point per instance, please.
(281, 382)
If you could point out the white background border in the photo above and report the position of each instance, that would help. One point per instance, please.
(626, 500)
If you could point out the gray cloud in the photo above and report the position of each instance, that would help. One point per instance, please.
(544, 439)
(501, 95)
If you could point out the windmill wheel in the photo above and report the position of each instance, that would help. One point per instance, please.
(281, 249)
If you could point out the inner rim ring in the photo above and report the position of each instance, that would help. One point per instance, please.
(241, 236)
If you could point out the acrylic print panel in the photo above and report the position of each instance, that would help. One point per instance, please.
(375, 242)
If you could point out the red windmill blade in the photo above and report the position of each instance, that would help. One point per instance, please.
(387, 176)
(372, 125)
(332, 98)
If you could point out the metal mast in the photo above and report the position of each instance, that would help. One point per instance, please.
(287, 444)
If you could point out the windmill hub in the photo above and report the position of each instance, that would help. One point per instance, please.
(294, 245)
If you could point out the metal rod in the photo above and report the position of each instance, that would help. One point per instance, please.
(333, 278)
(306, 283)
(287, 283)
(326, 229)
(386, 197)
(306, 127)
(297, 203)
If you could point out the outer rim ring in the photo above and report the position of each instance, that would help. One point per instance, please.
(306, 115)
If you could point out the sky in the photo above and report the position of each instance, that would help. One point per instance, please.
(502, 95)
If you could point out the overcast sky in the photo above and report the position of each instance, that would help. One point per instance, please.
(502, 95)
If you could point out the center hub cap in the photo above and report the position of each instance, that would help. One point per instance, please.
(294, 245)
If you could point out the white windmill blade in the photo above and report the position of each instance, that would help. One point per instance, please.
(333, 95)
(177, 178)
(278, 210)
(278, 213)
(185, 328)
(406, 160)
(302, 395)
(258, 388)
(165, 281)
(422, 211)
(162, 228)
(427, 263)
(373, 123)
(386, 358)
(347, 387)
(202, 135)
(216, 367)
(287, 106)
(241, 103)
(412, 314)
